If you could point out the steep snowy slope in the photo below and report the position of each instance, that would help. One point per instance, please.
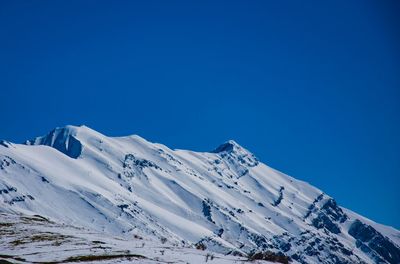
(226, 200)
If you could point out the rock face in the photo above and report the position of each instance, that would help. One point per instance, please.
(224, 200)
(62, 139)
(329, 216)
(373, 243)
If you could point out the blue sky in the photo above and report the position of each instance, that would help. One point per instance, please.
(313, 89)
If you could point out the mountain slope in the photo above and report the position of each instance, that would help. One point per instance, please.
(226, 199)
(34, 239)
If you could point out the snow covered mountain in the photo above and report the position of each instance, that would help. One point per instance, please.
(225, 200)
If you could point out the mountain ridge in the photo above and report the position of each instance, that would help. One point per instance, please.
(225, 199)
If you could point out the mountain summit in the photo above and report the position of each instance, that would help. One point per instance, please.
(228, 146)
(225, 200)
(62, 139)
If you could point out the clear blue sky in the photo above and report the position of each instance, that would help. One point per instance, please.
(313, 89)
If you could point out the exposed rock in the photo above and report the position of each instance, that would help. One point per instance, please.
(328, 216)
(280, 197)
(61, 139)
(207, 211)
(372, 242)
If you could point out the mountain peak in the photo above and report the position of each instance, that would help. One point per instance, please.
(63, 139)
(228, 146)
(237, 154)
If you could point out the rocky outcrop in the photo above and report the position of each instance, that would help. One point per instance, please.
(62, 139)
(329, 216)
(373, 243)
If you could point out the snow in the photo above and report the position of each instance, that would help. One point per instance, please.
(123, 186)
(35, 239)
